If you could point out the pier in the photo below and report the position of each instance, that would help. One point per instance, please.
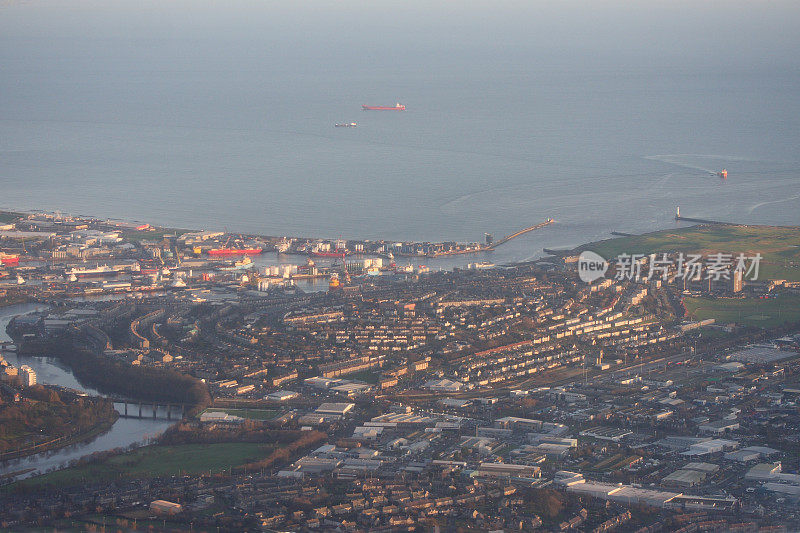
(680, 218)
(703, 221)
(520, 232)
(491, 247)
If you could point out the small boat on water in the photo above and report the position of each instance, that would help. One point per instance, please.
(243, 264)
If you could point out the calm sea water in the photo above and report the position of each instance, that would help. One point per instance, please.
(220, 116)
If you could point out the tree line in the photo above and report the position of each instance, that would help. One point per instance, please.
(43, 416)
(141, 383)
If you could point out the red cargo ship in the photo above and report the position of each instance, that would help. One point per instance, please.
(8, 259)
(335, 253)
(235, 251)
(398, 107)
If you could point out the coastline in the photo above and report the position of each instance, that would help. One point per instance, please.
(468, 249)
(152, 232)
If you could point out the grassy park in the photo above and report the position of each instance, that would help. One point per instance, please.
(367, 376)
(750, 311)
(249, 414)
(153, 234)
(155, 461)
(778, 245)
(8, 216)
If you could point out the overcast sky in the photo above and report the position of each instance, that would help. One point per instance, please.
(729, 33)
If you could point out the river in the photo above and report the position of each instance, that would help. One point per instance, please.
(51, 371)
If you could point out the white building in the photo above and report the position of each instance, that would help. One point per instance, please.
(367, 432)
(763, 472)
(282, 395)
(163, 507)
(211, 417)
(711, 446)
(443, 385)
(336, 409)
(27, 376)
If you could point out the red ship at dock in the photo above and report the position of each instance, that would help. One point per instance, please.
(335, 253)
(234, 251)
(9, 259)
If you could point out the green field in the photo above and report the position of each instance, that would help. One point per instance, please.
(367, 376)
(706, 333)
(155, 461)
(8, 216)
(250, 414)
(750, 311)
(155, 234)
(779, 246)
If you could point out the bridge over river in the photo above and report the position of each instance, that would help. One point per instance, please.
(149, 409)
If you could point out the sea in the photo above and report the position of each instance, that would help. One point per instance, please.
(605, 116)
